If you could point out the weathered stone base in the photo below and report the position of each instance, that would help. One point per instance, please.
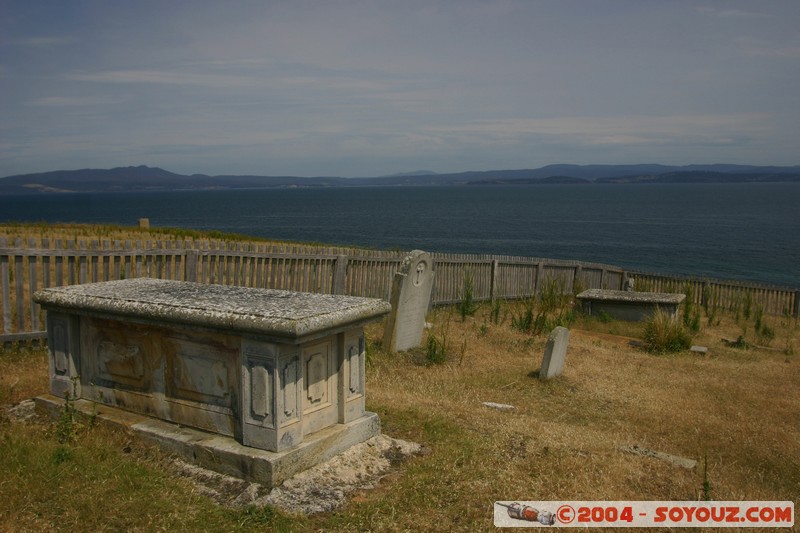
(223, 454)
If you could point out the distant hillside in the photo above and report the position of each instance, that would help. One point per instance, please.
(550, 180)
(144, 178)
(698, 176)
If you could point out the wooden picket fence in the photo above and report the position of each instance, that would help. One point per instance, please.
(29, 265)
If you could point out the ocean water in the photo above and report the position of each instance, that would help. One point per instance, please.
(728, 231)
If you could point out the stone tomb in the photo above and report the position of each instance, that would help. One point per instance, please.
(629, 305)
(272, 370)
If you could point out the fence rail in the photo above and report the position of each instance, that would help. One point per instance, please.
(27, 266)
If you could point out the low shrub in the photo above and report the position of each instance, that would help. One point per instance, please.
(663, 333)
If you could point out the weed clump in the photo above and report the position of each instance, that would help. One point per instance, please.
(435, 350)
(663, 333)
(542, 314)
(467, 306)
(691, 315)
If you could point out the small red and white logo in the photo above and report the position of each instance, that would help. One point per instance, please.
(644, 514)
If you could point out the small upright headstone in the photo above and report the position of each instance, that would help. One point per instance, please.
(555, 352)
(411, 296)
(144, 223)
(629, 284)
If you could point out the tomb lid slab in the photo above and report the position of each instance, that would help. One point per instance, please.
(630, 296)
(263, 311)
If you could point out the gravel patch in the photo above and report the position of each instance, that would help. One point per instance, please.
(320, 489)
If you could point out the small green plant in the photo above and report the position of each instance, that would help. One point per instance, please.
(548, 310)
(565, 319)
(67, 425)
(467, 305)
(747, 309)
(494, 313)
(483, 330)
(735, 306)
(435, 350)
(766, 334)
(711, 311)
(691, 315)
(437, 345)
(789, 350)
(61, 454)
(694, 324)
(578, 287)
(758, 317)
(253, 515)
(663, 333)
(688, 304)
(369, 351)
(740, 343)
(552, 296)
(706, 482)
(523, 321)
(604, 317)
(706, 297)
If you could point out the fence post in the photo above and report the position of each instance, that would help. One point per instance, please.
(797, 304)
(5, 278)
(493, 281)
(19, 285)
(704, 297)
(340, 275)
(576, 276)
(190, 265)
(537, 278)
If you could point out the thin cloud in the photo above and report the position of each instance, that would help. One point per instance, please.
(71, 101)
(160, 77)
(44, 41)
(635, 129)
(761, 49)
(731, 13)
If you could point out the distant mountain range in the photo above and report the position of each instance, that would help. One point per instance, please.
(144, 178)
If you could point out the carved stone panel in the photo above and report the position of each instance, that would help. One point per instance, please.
(201, 372)
(317, 372)
(118, 357)
(258, 383)
(351, 391)
(320, 378)
(355, 366)
(120, 363)
(59, 345)
(289, 378)
(64, 362)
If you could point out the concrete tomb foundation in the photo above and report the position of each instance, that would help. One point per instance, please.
(276, 375)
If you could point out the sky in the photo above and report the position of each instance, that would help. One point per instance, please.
(371, 88)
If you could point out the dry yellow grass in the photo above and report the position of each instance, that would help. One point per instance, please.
(23, 374)
(738, 408)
